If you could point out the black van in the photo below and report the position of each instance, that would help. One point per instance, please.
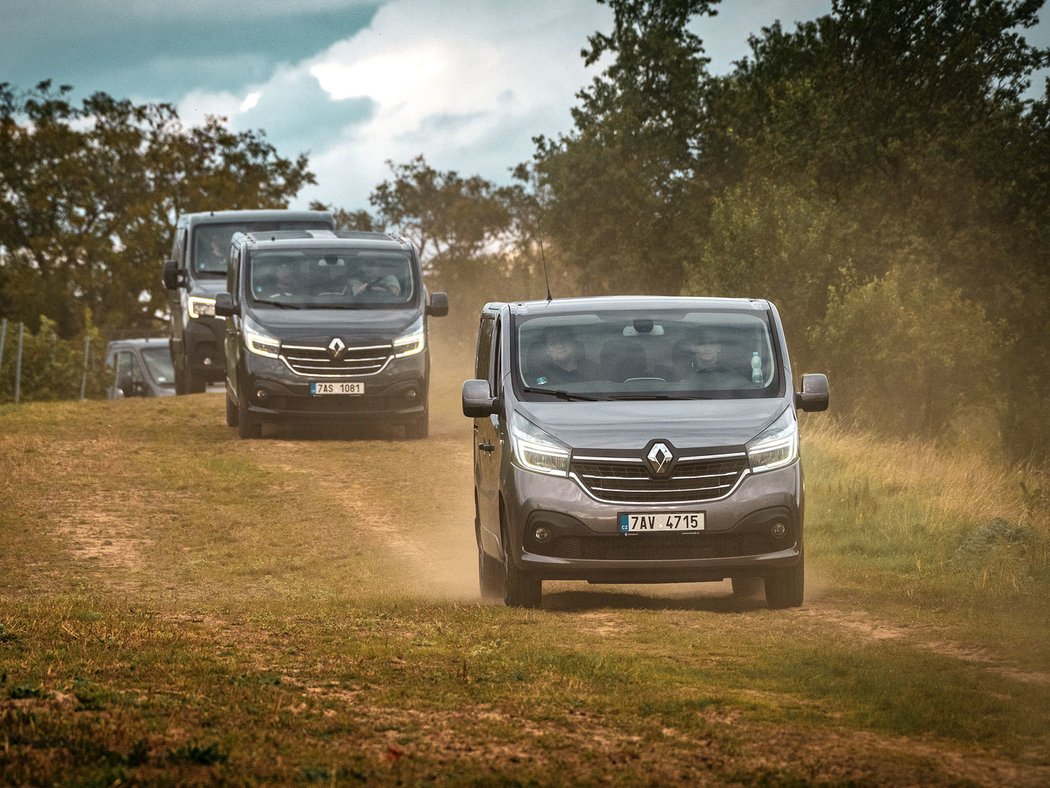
(326, 327)
(196, 271)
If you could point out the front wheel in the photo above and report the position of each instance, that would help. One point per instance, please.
(785, 589)
(232, 416)
(248, 426)
(418, 428)
(489, 576)
(520, 588)
(195, 382)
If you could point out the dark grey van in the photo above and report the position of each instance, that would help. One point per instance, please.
(141, 368)
(637, 440)
(196, 271)
(327, 327)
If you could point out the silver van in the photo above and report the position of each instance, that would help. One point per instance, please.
(637, 440)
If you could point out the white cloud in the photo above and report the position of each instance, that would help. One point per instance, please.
(466, 84)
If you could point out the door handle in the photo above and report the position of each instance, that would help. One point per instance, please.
(486, 446)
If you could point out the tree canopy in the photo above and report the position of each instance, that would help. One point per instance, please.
(882, 155)
(89, 193)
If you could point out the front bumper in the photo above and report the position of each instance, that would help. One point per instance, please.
(397, 395)
(586, 543)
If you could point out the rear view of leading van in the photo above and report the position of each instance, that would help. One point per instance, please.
(638, 440)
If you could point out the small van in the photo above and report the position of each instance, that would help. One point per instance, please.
(326, 327)
(637, 440)
(196, 271)
(141, 368)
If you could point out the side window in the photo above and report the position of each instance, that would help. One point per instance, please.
(496, 373)
(484, 352)
(232, 269)
(178, 247)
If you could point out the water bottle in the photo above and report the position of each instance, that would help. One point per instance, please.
(756, 368)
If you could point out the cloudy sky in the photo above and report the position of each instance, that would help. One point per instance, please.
(352, 83)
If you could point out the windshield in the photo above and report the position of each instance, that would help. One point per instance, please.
(158, 362)
(211, 244)
(623, 354)
(331, 279)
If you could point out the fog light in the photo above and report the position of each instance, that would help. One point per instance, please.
(261, 394)
(207, 361)
(779, 529)
(411, 394)
(542, 534)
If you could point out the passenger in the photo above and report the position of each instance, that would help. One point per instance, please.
(706, 367)
(561, 359)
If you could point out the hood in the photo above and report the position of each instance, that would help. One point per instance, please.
(687, 424)
(318, 326)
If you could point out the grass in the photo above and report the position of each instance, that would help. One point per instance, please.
(177, 605)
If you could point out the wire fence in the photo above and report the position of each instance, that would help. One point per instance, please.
(44, 367)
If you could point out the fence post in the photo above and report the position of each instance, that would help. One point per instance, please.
(3, 337)
(83, 378)
(18, 364)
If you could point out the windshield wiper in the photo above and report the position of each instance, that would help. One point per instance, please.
(277, 304)
(651, 396)
(565, 395)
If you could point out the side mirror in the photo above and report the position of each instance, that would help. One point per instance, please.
(814, 394)
(173, 277)
(224, 306)
(478, 401)
(438, 306)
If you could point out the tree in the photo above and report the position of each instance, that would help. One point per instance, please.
(89, 194)
(887, 128)
(623, 191)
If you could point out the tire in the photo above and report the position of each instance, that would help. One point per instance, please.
(490, 577)
(418, 428)
(248, 426)
(195, 383)
(520, 588)
(746, 587)
(785, 589)
(232, 416)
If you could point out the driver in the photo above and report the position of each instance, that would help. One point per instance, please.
(371, 278)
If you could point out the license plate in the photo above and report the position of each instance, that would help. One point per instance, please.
(651, 522)
(317, 389)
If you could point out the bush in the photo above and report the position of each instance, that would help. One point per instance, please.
(906, 352)
(52, 368)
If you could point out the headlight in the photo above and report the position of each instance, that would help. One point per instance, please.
(777, 446)
(258, 341)
(535, 450)
(200, 307)
(413, 341)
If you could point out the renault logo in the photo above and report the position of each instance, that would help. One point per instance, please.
(336, 348)
(659, 459)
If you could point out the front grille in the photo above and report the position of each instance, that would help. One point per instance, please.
(695, 479)
(661, 547)
(317, 362)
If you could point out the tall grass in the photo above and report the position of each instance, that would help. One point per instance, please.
(911, 517)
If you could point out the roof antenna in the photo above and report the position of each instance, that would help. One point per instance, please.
(546, 280)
